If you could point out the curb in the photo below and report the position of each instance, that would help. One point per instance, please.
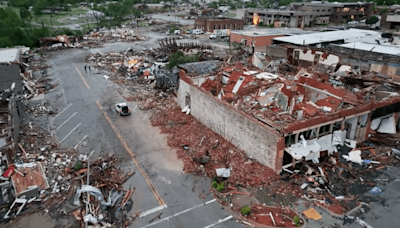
(241, 218)
(333, 214)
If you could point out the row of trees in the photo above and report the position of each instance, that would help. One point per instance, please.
(18, 28)
(15, 30)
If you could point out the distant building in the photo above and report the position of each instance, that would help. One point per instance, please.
(301, 14)
(391, 20)
(151, 6)
(277, 18)
(224, 8)
(94, 13)
(337, 12)
(53, 9)
(209, 25)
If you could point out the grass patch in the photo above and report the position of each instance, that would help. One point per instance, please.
(142, 24)
(230, 15)
(77, 11)
(91, 27)
(245, 210)
(61, 15)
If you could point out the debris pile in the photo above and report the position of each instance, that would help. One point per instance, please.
(36, 79)
(94, 39)
(46, 176)
(113, 35)
(141, 72)
(105, 197)
(202, 150)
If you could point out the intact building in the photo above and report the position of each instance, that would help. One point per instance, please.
(301, 14)
(336, 12)
(209, 25)
(277, 18)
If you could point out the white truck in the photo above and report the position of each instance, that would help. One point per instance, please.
(177, 32)
(197, 31)
(220, 33)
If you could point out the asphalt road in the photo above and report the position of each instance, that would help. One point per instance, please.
(86, 122)
(172, 17)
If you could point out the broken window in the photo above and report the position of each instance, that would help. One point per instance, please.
(289, 140)
(337, 126)
(187, 99)
(363, 120)
(324, 130)
(287, 158)
(310, 134)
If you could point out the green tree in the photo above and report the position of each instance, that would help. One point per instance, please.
(179, 58)
(25, 14)
(39, 6)
(371, 20)
(251, 5)
(213, 5)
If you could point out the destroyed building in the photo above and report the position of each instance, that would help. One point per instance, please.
(290, 114)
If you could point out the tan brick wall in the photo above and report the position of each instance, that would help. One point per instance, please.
(249, 135)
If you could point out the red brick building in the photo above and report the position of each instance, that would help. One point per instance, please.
(209, 25)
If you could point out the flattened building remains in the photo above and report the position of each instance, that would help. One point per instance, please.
(295, 107)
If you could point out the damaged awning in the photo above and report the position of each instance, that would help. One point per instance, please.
(310, 149)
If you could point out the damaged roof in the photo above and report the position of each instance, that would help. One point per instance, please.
(350, 35)
(205, 67)
(271, 32)
(9, 55)
(377, 48)
(292, 97)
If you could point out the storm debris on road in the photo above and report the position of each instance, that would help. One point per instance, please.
(200, 142)
(47, 176)
(38, 174)
(95, 38)
(140, 72)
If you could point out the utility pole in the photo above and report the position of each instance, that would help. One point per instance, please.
(88, 197)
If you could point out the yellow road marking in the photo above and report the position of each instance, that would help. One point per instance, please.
(83, 79)
(158, 197)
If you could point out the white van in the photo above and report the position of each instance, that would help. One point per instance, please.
(197, 31)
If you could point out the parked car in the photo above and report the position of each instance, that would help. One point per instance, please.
(122, 109)
(352, 22)
(213, 36)
(77, 26)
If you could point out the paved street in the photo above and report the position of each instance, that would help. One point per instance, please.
(173, 17)
(86, 122)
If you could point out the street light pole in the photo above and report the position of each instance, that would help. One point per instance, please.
(87, 182)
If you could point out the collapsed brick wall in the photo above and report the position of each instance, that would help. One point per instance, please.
(257, 141)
